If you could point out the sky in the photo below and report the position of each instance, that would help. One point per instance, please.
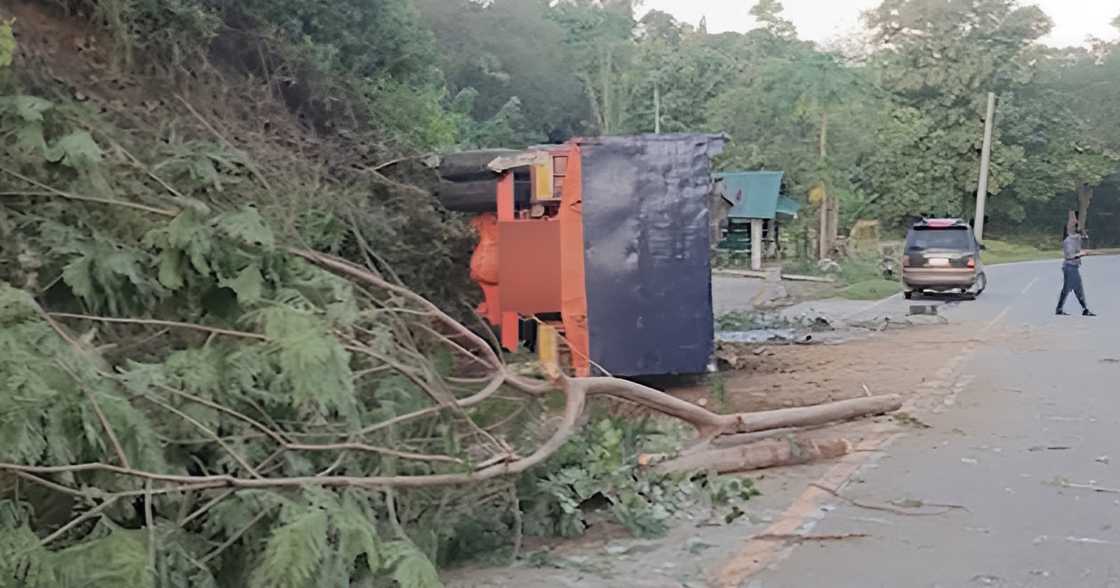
(825, 20)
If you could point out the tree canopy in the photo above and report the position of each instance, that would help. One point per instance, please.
(895, 133)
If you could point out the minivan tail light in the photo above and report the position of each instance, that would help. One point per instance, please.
(972, 263)
(905, 261)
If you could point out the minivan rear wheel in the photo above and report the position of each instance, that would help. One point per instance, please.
(981, 284)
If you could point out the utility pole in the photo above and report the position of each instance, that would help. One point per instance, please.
(657, 109)
(985, 163)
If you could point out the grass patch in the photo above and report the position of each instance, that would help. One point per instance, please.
(803, 267)
(873, 289)
(998, 252)
(856, 270)
(857, 278)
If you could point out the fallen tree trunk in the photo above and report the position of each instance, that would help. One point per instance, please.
(809, 416)
(710, 425)
(470, 165)
(479, 195)
(769, 453)
(468, 196)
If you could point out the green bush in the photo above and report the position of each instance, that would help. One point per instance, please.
(596, 470)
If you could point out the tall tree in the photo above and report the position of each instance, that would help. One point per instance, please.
(1084, 88)
(507, 50)
(675, 70)
(768, 13)
(599, 38)
(941, 57)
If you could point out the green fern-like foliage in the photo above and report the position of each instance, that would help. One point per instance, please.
(155, 331)
(7, 44)
(118, 558)
(295, 550)
(269, 350)
(154, 323)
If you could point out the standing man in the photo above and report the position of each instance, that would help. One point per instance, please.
(1071, 269)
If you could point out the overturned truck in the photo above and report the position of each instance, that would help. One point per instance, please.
(595, 252)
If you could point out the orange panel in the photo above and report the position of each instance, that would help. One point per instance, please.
(484, 266)
(511, 332)
(505, 197)
(573, 292)
(530, 268)
(506, 211)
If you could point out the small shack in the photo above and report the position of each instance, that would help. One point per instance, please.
(757, 206)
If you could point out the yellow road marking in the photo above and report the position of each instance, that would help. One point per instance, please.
(758, 555)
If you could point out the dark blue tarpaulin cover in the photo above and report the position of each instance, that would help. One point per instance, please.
(646, 242)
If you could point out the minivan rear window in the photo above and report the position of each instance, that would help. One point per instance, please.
(953, 238)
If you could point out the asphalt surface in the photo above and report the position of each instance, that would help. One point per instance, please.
(1031, 405)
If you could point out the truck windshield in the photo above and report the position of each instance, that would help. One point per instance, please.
(952, 238)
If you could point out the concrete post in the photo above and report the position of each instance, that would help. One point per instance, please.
(756, 244)
(985, 160)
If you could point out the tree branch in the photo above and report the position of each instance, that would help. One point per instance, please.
(201, 427)
(344, 267)
(93, 199)
(79, 520)
(353, 446)
(233, 538)
(161, 323)
(490, 389)
(576, 402)
(108, 427)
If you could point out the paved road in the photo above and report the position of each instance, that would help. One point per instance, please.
(1033, 398)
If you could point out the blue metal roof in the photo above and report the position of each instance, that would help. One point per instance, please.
(757, 194)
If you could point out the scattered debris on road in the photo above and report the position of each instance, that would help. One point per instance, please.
(1063, 483)
(907, 419)
(1038, 448)
(1087, 540)
(898, 510)
(796, 539)
(923, 309)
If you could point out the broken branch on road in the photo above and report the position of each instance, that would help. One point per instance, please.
(946, 508)
(1091, 487)
(796, 538)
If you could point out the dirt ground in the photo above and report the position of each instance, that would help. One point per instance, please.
(774, 377)
(787, 376)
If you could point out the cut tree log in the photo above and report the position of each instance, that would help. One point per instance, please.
(710, 425)
(468, 196)
(794, 450)
(470, 165)
(809, 416)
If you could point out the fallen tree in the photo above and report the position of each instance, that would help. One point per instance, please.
(501, 460)
(281, 405)
(211, 380)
